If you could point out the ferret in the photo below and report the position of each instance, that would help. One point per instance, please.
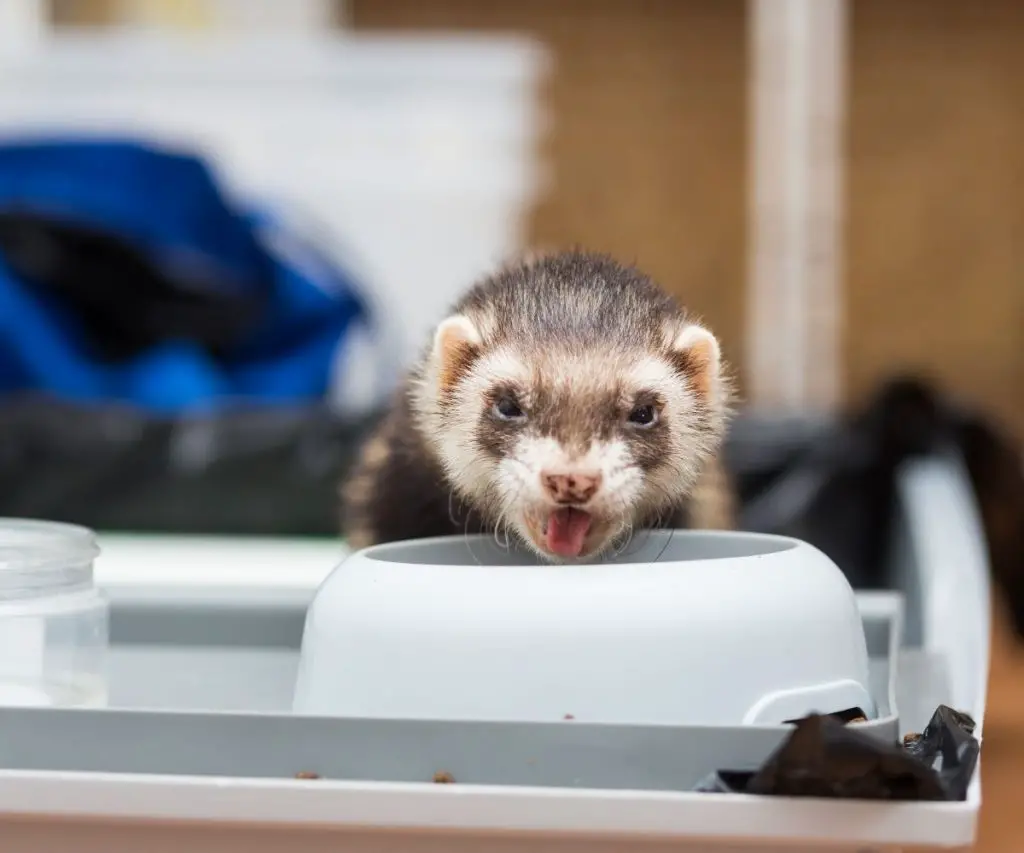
(566, 402)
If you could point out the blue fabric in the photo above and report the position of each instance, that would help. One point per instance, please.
(168, 205)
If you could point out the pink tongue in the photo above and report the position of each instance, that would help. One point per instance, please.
(567, 528)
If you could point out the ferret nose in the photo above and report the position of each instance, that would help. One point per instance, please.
(577, 487)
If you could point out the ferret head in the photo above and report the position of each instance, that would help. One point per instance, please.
(569, 400)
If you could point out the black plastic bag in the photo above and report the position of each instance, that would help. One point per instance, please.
(834, 485)
(263, 471)
(949, 746)
(825, 757)
(276, 471)
(996, 469)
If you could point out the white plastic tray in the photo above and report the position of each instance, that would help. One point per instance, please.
(938, 561)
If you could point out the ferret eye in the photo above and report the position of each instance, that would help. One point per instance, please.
(507, 409)
(643, 416)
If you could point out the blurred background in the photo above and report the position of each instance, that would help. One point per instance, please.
(227, 225)
(639, 145)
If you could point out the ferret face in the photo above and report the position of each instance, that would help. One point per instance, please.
(572, 445)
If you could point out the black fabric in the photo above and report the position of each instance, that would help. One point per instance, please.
(123, 301)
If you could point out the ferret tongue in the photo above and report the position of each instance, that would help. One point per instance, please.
(567, 528)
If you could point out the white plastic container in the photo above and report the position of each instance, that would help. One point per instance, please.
(458, 628)
(938, 563)
(53, 620)
(415, 155)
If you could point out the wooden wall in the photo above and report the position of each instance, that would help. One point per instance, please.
(648, 147)
(936, 230)
(649, 154)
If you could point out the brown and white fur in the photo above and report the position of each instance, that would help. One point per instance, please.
(563, 387)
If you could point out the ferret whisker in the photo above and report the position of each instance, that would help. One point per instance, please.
(468, 539)
(664, 548)
(505, 509)
(451, 507)
(500, 524)
(628, 539)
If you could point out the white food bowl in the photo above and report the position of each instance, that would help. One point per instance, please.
(683, 628)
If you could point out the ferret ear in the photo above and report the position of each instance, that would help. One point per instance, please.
(698, 356)
(456, 346)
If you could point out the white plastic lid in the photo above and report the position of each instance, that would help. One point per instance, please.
(38, 558)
